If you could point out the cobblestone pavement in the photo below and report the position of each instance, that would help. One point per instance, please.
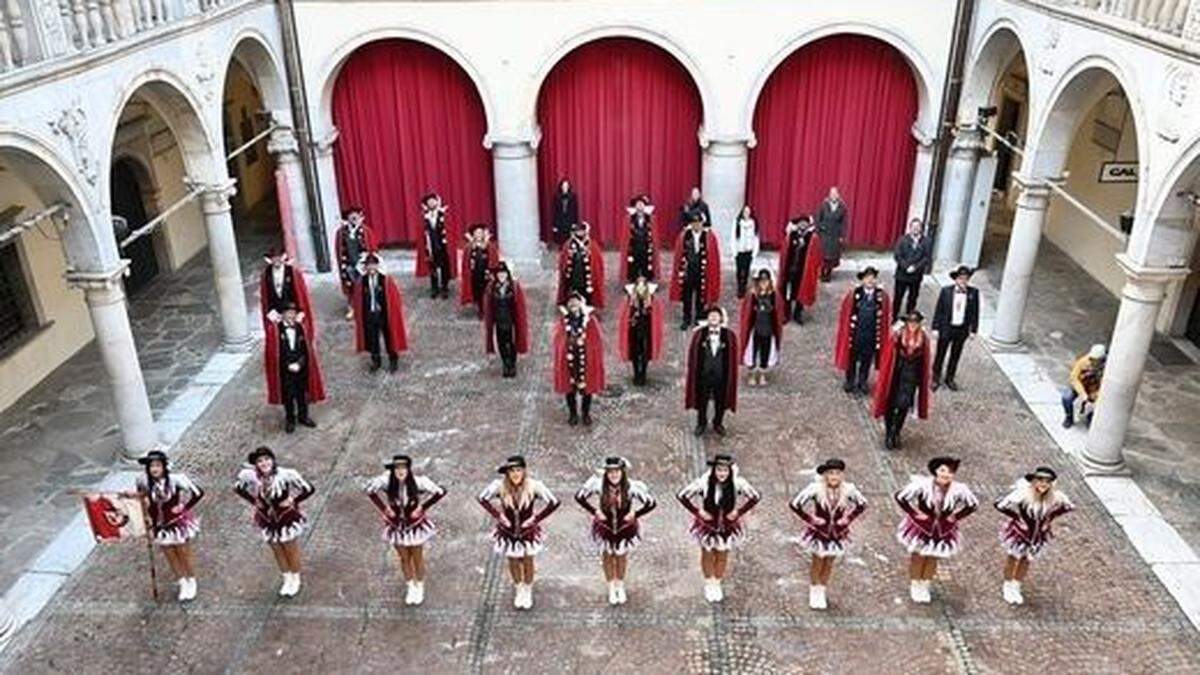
(1160, 448)
(63, 433)
(1092, 605)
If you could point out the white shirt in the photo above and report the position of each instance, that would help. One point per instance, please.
(714, 341)
(372, 282)
(748, 242)
(694, 237)
(277, 278)
(958, 312)
(289, 332)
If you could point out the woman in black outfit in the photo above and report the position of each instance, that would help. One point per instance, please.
(566, 211)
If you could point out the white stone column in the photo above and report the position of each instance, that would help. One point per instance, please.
(959, 186)
(327, 177)
(723, 182)
(1018, 266)
(226, 266)
(922, 172)
(286, 150)
(514, 171)
(104, 293)
(1141, 299)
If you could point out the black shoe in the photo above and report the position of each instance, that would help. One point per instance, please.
(951, 385)
(888, 442)
(720, 429)
(864, 389)
(896, 445)
(1068, 422)
(799, 319)
(290, 426)
(937, 383)
(573, 419)
(848, 387)
(308, 422)
(699, 430)
(445, 292)
(433, 293)
(684, 325)
(587, 419)
(375, 364)
(393, 364)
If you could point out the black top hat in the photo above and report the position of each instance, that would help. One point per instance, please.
(949, 462)
(581, 226)
(153, 455)
(764, 273)
(914, 315)
(639, 198)
(513, 462)
(477, 226)
(398, 460)
(275, 252)
(429, 195)
(291, 304)
(801, 218)
(260, 451)
(831, 464)
(721, 459)
(501, 266)
(695, 216)
(1043, 472)
(714, 308)
(371, 259)
(961, 271)
(615, 463)
(868, 271)
(349, 211)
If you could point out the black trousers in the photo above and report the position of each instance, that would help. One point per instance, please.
(579, 403)
(762, 350)
(861, 361)
(693, 303)
(295, 395)
(743, 271)
(375, 325)
(716, 394)
(953, 340)
(893, 421)
(506, 344)
(439, 270)
(906, 290)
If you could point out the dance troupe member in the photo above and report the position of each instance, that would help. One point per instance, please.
(1031, 505)
(712, 371)
(760, 328)
(292, 367)
(566, 211)
(505, 318)
(518, 532)
(581, 268)
(478, 259)
(170, 499)
(640, 247)
(904, 378)
(379, 316)
(354, 239)
(615, 521)
(799, 266)
(578, 358)
(696, 278)
(281, 284)
(275, 493)
(863, 324)
(745, 247)
(717, 521)
(933, 505)
(437, 252)
(404, 499)
(640, 327)
(828, 506)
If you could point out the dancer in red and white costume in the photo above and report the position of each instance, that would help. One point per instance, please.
(404, 499)
(933, 505)
(170, 498)
(511, 501)
(615, 520)
(828, 506)
(275, 493)
(1033, 503)
(717, 520)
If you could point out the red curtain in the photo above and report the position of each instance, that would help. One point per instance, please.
(410, 121)
(619, 116)
(837, 112)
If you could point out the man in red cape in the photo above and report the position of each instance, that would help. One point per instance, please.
(578, 358)
(353, 239)
(799, 266)
(904, 377)
(760, 342)
(281, 284)
(292, 368)
(478, 258)
(379, 316)
(581, 268)
(505, 318)
(436, 251)
(863, 325)
(712, 371)
(696, 277)
(640, 327)
(639, 245)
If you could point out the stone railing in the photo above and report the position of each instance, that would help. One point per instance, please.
(1177, 18)
(34, 31)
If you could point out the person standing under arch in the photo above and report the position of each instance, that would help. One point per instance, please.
(913, 254)
(353, 240)
(799, 267)
(832, 221)
(696, 278)
(566, 211)
(640, 250)
(436, 253)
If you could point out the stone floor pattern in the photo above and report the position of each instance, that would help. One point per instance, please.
(1092, 605)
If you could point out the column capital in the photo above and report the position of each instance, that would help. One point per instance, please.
(324, 144)
(727, 144)
(925, 139)
(968, 138)
(283, 144)
(1144, 283)
(214, 197)
(98, 281)
(1035, 192)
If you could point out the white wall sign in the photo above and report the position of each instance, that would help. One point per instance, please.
(1119, 172)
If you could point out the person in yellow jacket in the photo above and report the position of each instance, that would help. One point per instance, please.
(1084, 383)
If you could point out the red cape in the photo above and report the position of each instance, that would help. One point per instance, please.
(746, 321)
(807, 293)
(594, 353)
(597, 265)
(395, 306)
(883, 322)
(369, 244)
(489, 319)
(656, 328)
(887, 367)
(712, 269)
(466, 294)
(302, 298)
(423, 249)
(731, 374)
(626, 253)
(316, 383)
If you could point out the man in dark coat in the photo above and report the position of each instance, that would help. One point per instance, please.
(831, 225)
(293, 373)
(863, 324)
(913, 252)
(566, 211)
(695, 205)
(955, 319)
(712, 371)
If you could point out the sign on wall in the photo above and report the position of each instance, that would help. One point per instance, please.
(1119, 172)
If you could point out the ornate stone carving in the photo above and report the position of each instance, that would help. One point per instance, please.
(1177, 87)
(206, 74)
(71, 124)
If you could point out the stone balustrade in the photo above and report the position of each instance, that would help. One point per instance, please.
(1178, 18)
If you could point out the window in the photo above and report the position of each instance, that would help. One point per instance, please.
(17, 317)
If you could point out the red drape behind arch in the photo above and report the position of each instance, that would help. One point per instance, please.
(410, 121)
(837, 112)
(619, 116)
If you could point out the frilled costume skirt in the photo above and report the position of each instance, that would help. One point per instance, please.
(621, 542)
(714, 537)
(932, 539)
(282, 528)
(1019, 543)
(179, 530)
(414, 533)
(821, 543)
(528, 543)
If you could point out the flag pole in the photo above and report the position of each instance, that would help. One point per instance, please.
(150, 548)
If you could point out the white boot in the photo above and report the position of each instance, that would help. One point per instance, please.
(190, 584)
(285, 588)
(1018, 599)
(410, 595)
(621, 599)
(926, 592)
(914, 590)
(816, 597)
(183, 589)
(718, 592)
(295, 583)
(419, 592)
(1006, 591)
(708, 589)
(612, 593)
(528, 596)
(519, 596)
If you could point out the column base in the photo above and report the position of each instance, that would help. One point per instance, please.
(1093, 467)
(999, 345)
(237, 345)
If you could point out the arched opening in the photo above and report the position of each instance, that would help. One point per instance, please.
(1171, 242)
(619, 116)
(410, 121)
(243, 117)
(837, 112)
(1009, 95)
(129, 186)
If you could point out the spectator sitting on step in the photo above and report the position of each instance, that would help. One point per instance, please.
(1084, 383)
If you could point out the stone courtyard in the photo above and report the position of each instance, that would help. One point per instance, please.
(1092, 605)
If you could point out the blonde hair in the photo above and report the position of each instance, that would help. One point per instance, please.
(516, 497)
